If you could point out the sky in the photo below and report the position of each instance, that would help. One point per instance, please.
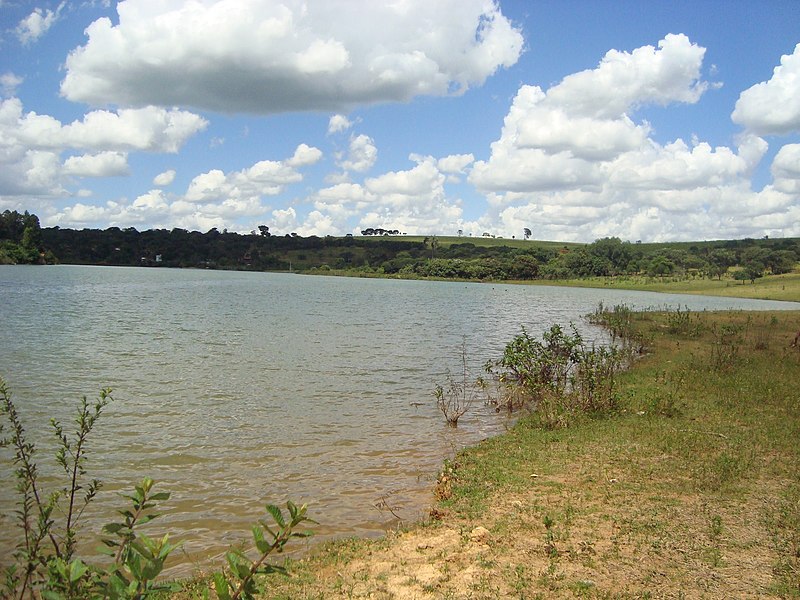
(577, 119)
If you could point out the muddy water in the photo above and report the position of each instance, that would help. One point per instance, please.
(236, 389)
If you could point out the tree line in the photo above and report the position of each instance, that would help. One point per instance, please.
(22, 241)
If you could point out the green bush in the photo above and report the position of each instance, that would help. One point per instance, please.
(559, 377)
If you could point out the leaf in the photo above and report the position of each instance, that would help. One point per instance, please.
(258, 533)
(113, 527)
(107, 551)
(152, 570)
(277, 515)
(76, 570)
(302, 534)
(221, 587)
(142, 549)
(118, 583)
(147, 518)
(233, 560)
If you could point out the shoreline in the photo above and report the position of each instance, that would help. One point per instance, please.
(781, 288)
(677, 492)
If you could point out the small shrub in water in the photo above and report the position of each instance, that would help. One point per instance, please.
(559, 377)
(460, 394)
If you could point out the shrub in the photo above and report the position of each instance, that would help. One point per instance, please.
(460, 394)
(558, 377)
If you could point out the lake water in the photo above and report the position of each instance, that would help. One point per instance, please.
(237, 389)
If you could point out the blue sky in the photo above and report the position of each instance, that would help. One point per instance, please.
(577, 119)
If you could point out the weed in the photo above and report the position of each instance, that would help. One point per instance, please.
(681, 322)
(715, 527)
(583, 588)
(460, 394)
(783, 524)
(620, 321)
(763, 336)
(726, 345)
(726, 467)
(549, 536)
(712, 556)
(667, 400)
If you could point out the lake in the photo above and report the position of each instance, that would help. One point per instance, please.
(236, 389)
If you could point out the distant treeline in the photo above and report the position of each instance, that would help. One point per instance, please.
(23, 241)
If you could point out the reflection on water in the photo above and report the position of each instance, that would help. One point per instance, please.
(237, 389)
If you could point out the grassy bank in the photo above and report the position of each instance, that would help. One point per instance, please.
(770, 287)
(784, 287)
(691, 490)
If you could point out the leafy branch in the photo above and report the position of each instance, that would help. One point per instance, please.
(240, 582)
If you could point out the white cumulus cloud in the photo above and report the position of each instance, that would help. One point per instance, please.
(571, 162)
(9, 83)
(786, 169)
(338, 123)
(102, 164)
(455, 163)
(361, 155)
(32, 145)
(625, 80)
(241, 191)
(266, 56)
(412, 201)
(164, 179)
(148, 129)
(36, 24)
(304, 156)
(773, 107)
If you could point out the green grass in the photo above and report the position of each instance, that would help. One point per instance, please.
(771, 287)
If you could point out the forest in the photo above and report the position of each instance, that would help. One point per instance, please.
(24, 241)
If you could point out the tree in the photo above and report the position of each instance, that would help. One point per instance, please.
(753, 270)
(661, 266)
(527, 233)
(781, 261)
(264, 230)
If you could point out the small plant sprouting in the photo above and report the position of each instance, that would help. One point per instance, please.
(138, 559)
(715, 527)
(461, 392)
(46, 550)
(239, 581)
(550, 536)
